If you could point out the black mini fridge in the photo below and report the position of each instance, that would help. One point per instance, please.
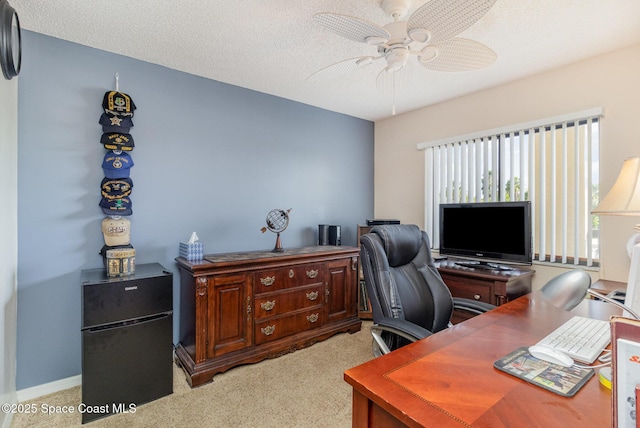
(127, 340)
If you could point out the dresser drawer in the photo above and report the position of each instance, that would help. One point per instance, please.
(277, 279)
(278, 327)
(306, 274)
(269, 280)
(278, 303)
(469, 289)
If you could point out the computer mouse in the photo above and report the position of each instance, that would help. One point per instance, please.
(550, 355)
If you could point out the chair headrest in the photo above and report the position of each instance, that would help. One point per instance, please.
(401, 242)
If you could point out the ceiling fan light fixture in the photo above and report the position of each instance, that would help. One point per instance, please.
(396, 59)
(420, 35)
(429, 53)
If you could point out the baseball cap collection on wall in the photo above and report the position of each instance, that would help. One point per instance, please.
(116, 186)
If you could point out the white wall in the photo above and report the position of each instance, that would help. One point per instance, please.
(609, 81)
(8, 241)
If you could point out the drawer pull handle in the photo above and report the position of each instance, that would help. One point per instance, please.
(312, 273)
(268, 305)
(312, 295)
(268, 330)
(268, 280)
(476, 296)
(312, 318)
(291, 273)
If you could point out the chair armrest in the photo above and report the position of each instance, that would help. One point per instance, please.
(472, 306)
(406, 329)
(399, 327)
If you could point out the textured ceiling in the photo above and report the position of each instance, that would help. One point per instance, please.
(272, 46)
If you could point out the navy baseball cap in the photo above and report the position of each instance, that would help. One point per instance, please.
(121, 207)
(118, 103)
(117, 166)
(112, 123)
(117, 141)
(116, 188)
(105, 248)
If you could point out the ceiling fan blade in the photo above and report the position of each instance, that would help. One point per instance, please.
(353, 28)
(457, 54)
(342, 67)
(447, 18)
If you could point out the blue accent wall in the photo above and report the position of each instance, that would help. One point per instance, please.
(209, 157)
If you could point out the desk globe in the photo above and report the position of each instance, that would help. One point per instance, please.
(277, 221)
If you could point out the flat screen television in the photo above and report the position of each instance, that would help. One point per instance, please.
(487, 232)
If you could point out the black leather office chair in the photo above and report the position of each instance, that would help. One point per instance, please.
(409, 300)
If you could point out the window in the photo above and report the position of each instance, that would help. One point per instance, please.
(553, 163)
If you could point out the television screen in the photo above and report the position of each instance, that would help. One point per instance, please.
(487, 231)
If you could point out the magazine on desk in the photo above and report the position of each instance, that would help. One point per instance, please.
(565, 381)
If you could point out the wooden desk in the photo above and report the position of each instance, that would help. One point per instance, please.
(605, 286)
(448, 379)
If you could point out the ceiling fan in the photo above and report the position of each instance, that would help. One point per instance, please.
(426, 37)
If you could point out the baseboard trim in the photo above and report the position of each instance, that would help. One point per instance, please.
(48, 388)
(8, 418)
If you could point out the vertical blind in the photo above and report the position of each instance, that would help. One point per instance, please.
(551, 162)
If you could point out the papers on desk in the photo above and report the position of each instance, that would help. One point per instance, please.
(565, 381)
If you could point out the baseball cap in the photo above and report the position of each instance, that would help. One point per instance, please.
(117, 141)
(116, 188)
(117, 166)
(116, 207)
(112, 123)
(105, 248)
(118, 103)
(116, 231)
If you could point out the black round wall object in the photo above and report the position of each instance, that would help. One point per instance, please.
(10, 41)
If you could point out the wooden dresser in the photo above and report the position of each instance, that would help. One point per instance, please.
(239, 308)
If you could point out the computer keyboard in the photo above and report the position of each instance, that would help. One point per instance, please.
(583, 339)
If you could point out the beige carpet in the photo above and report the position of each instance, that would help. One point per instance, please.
(301, 389)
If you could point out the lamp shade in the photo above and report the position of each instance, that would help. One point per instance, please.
(624, 196)
(567, 290)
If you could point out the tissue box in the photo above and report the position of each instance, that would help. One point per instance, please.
(191, 252)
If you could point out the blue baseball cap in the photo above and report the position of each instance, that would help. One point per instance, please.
(119, 207)
(117, 166)
(113, 123)
(116, 188)
(117, 141)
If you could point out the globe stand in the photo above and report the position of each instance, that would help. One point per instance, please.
(277, 221)
(278, 248)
